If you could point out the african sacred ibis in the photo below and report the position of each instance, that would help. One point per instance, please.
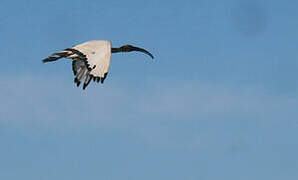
(91, 60)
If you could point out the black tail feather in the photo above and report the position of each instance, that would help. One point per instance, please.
(57, 56)
(51, 59)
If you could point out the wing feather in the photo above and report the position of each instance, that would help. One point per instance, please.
(91, 60)
(98, 55)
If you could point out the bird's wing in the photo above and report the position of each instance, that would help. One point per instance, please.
(98, 56)
(90, 60)
(80, 71)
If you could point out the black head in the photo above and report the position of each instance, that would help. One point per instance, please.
(126, 48)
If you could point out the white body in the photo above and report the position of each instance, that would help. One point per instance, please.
(98, 54)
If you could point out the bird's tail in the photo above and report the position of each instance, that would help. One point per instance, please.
(56, 56)
(50, 59)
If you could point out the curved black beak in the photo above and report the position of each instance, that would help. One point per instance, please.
(142, 50)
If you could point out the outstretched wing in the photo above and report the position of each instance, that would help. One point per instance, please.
(91, 60)
(98, 56)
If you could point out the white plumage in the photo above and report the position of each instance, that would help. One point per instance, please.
(91, 60)
(98, 55)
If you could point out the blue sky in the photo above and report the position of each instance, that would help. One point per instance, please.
(218, 102)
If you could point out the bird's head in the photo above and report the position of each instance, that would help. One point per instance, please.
(126, 48)
(130, 48)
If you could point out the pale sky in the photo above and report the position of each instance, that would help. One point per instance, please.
(219, 101)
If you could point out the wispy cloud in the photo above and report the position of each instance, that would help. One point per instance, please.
(166, 112)
(213, 100)
(46, 99)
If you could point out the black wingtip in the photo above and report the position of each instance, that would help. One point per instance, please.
(77, 81)
(104, 77)
(87, 81)
(84, 86)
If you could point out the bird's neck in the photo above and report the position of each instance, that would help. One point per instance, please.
(116, 50)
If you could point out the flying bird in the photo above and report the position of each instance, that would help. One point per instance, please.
(91, 60)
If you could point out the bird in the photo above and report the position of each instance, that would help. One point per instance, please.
(91, 59)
